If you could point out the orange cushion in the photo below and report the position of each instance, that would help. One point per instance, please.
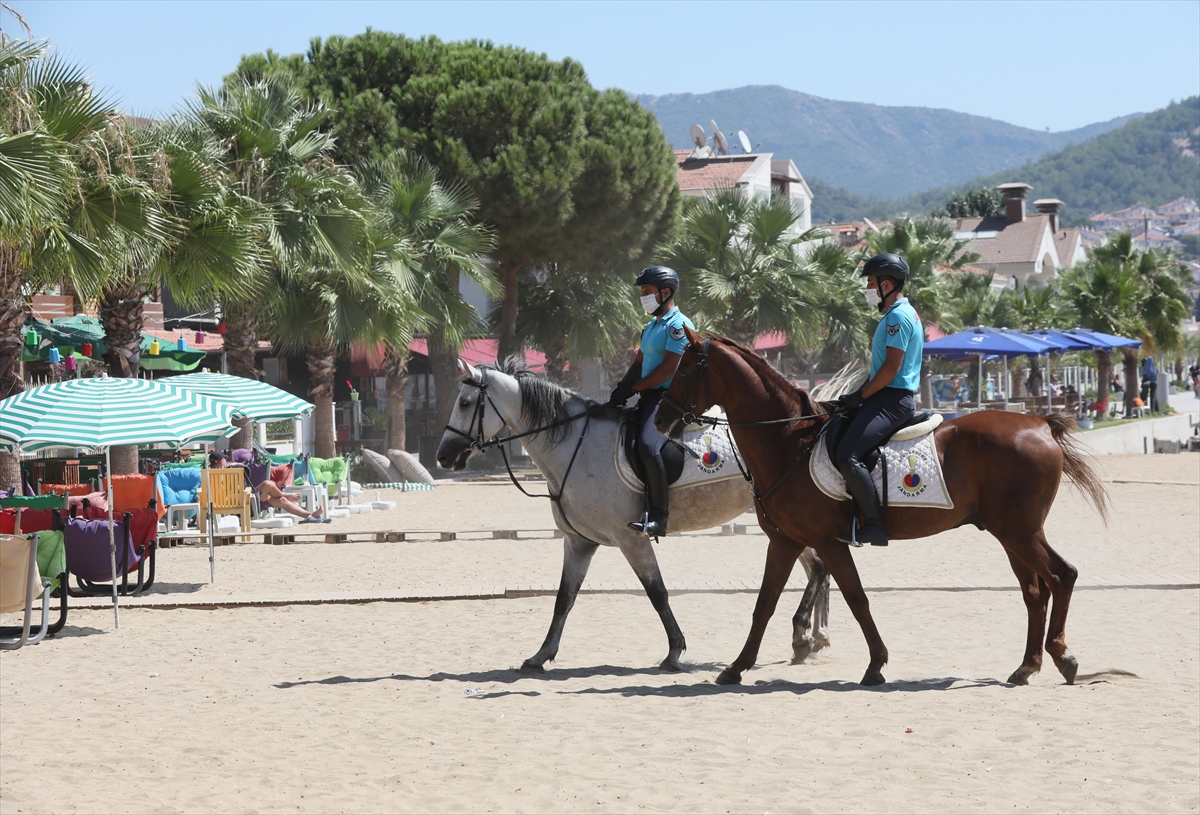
(134, 491)
(69, 489)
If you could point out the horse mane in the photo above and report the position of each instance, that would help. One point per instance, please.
(542, 402)
(808, 405)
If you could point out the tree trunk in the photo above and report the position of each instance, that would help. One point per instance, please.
(926, 386)
(12, 322)
(124, 459)
(240, 343)
(1035, 378)
(557, 361)
(573, 376)
(395, 362)
(1132, 383)
(443, 359)
(322, 367)
(121, 316)
(1018, 382)
(1104, 375)
(240, 340)
(509, 275)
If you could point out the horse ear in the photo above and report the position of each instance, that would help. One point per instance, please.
(692, 336)
(468, 369)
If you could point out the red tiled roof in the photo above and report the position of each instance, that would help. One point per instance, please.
(710, 173)
(1065, 241)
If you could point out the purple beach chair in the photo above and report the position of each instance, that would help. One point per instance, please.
(86, 543)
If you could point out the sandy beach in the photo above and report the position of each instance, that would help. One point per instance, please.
(266, 700)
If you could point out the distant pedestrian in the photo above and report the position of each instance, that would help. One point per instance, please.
(1150, 384)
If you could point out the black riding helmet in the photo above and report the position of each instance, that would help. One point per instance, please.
(661, 277)
(887, 264)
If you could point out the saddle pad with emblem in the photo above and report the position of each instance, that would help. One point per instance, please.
(914, 474)
(713, 460)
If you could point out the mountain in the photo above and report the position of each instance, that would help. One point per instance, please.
(867, 149)
(1153, 159)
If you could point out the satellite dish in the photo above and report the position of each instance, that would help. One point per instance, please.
(699, 137)
(745, 140)
(719, 139)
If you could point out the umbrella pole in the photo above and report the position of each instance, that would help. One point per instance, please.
(112, 541)
(979, 378)
(1005, 383)
(212, 562)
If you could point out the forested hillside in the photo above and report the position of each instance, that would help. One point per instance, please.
(869, 149)
(1153, 159)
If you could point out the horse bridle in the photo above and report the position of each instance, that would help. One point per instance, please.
(688, 414)
(479, 443)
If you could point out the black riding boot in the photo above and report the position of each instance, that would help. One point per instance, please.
(656, 485)
(862, 489)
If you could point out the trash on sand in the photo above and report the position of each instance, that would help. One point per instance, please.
(474, 691)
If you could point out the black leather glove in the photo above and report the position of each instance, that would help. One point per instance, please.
(621, 394)
(850, 401)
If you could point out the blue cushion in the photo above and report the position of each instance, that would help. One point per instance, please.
(179, 486)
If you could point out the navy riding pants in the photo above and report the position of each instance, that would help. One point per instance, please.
(876, 419)
(650, 441)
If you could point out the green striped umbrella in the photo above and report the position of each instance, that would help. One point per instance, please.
(103, 413)
(107, 412)
(249, 397)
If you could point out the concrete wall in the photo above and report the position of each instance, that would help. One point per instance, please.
(1138, 437)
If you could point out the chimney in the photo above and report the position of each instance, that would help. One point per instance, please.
(1014, 201)
(1049, 206)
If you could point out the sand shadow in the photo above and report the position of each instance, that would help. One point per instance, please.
(174, 588)
(70, 631)
(505, 676)
(708, 688)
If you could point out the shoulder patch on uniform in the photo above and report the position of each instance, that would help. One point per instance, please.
(676, 332)
(892, 329)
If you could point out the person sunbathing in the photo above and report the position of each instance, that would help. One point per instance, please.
(270, 495)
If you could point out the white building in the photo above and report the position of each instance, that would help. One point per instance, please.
(760, 174)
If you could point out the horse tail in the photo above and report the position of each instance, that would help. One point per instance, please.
(1076, 463)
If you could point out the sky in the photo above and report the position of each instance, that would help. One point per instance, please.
(1043, 65)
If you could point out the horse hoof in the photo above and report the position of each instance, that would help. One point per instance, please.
(531, 667)
(671, 664)
(1068, 666)
(872, 678)
(1019, 677)
(802, 652)
(729, 677)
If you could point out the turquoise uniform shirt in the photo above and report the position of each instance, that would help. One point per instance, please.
(660, 335)
(900, 328)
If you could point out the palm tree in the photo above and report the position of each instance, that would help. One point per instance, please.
(1134, 293)
(64, 216)
(274, 154)
(929, 246)
(1032, 309)
(846, 317)
(441, 242)
(741, 264)
(571, 316)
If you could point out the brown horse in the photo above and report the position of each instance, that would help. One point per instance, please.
(1003, 471)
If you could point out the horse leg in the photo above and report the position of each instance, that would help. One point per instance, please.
(781, 557)
(640, 554)
(1037, 595)
(577, 556)
(1059, 578)
(803, 643)
(841, 565)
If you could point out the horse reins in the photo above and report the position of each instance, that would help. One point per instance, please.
(479, 443)
(688, 416)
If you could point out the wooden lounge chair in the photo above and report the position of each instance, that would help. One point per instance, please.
(230, 496)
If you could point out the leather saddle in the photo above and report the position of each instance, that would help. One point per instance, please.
(836, 428)
(673, 453)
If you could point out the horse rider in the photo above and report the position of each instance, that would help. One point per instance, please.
(885, 402)
(662, 345)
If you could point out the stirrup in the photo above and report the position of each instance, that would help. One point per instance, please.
(852, 538)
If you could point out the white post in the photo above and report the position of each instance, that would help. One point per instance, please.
(1007, 383)
(261, 427)
(979, 394)
(112, 541)
(212, 521)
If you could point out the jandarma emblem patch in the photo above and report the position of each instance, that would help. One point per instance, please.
(676, 332)
(710, 460)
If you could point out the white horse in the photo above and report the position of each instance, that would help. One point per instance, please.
(572, 441)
